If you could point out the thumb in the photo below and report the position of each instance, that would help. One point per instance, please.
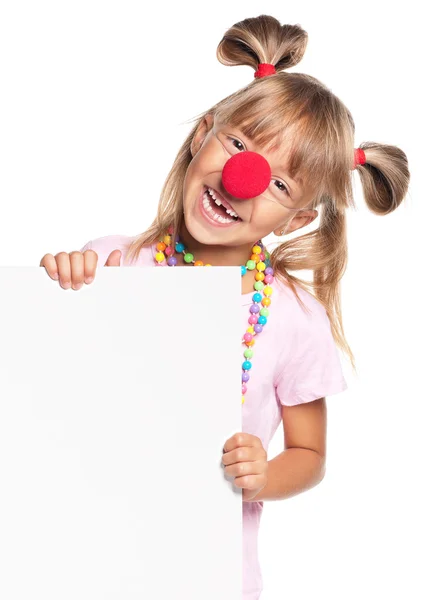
(114, 259)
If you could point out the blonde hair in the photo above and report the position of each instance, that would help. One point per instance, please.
(298, 111)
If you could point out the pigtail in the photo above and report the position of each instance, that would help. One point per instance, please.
(384, 177)
(262, 40)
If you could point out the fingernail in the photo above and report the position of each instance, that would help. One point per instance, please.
(89, 279)
(55, 275)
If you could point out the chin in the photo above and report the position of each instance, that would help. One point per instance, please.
(195, 229)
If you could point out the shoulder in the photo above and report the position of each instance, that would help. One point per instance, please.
(299, 326)
(103, 246)
(312, 310)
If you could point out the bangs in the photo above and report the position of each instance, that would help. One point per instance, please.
(302, 120)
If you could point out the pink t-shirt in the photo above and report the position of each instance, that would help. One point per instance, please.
(295, 361)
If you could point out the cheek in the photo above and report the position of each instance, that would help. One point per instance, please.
(190, 180)
(268, 215)
(195, 174)
(208, 162)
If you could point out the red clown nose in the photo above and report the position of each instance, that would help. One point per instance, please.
(246, 175)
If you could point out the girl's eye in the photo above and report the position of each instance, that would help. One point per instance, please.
(284, 188)
(238, 141)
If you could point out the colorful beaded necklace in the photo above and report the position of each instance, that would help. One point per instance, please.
(264, 276)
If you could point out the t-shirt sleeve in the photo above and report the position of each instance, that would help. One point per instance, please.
(310, 368)
(103, 246)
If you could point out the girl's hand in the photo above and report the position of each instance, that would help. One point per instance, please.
(246, 459)
(76, 267)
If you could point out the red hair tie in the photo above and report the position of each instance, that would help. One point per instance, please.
(360, 158)
(265, 69)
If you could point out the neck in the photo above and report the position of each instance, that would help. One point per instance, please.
(220, 256)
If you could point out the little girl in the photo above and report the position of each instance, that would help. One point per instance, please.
(272, 157)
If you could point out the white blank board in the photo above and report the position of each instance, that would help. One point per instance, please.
(115, 403)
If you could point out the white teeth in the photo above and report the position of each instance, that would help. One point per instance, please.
(213, 214)
(219, 203)
(211, 192)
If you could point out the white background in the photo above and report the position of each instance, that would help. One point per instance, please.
(95, 99)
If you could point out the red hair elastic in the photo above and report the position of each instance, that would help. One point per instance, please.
(265, 69)
(360, 158)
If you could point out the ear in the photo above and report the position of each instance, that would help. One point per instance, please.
(203, 128)
(302, 219)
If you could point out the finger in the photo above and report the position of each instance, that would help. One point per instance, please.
(64, 270)
(114, 259)
(77, 269)
(50, 264)
(90, 259)
(244, 468)
(241, 439)
(248, 482)
(238, 455)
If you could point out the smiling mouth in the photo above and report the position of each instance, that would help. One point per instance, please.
(219, 207)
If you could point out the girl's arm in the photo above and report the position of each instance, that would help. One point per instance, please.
(301, 465)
